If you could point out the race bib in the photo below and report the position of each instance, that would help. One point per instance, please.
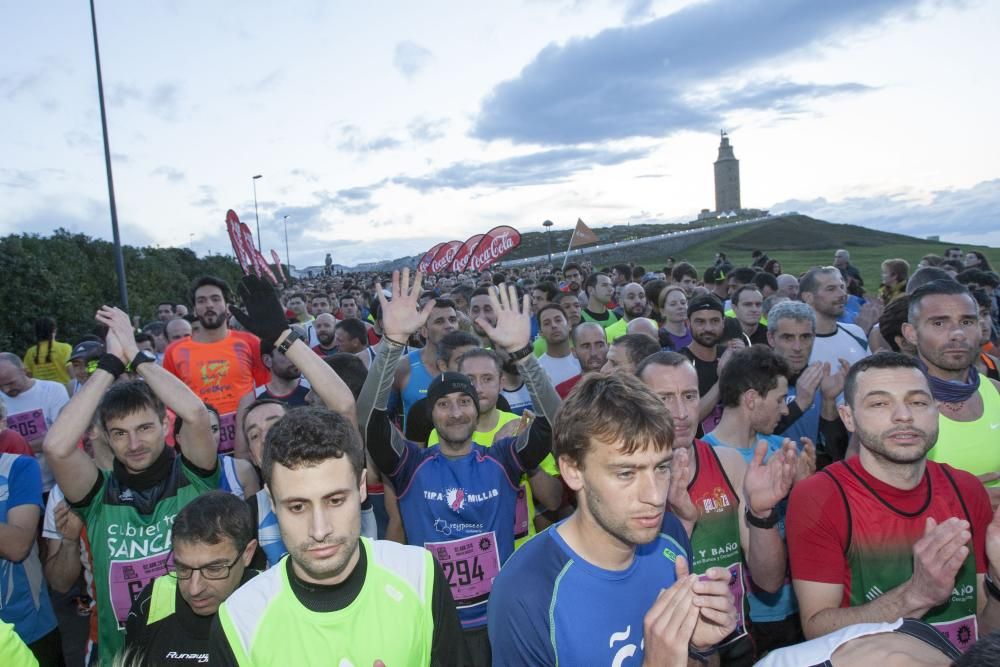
(127, 578)
(470, 565)
(962, 633)
(31, 425)
(227, 432)
(521, 513)
(738, 589)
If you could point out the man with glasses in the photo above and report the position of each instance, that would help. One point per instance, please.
(212, 546)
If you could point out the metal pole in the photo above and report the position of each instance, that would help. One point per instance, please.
(548, 236)
(119, 258)
(254, 181)
(288, 263)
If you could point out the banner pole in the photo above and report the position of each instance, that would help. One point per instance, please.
(568, 248)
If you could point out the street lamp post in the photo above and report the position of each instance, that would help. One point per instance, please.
(255, 214)
(548, 235)
(119, 258)
(288, 263)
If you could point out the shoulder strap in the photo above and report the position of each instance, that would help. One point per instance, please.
(847, 509)
(958, 495)
(861, 341)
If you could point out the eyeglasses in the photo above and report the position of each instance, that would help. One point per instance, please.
(212, 571)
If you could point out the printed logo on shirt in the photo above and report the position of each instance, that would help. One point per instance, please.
(200, 658)
(458, 497)
(213, 373)
(716, 501)
(873, 592)
(626, 651)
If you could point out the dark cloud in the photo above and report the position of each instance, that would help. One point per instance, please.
(964, 214)
(784, 96)
(636, 81)
(637, 10)
(550, 166)
(409, 58)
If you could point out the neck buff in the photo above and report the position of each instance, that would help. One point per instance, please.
(950, 391)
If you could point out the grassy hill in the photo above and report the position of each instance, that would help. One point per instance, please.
(800, 242)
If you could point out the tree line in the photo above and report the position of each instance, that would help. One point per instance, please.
(67, 276)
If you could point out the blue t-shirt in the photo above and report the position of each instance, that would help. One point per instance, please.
(24, 597)
(767, 607)
(417, 384)
(462, 511)
(268, 532)
(229, 480)
(550, 606)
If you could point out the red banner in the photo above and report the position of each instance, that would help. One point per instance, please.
(495, 244)
(246, 253)
(444, 257)
(425, 261)
(277, 265)
(464, 254)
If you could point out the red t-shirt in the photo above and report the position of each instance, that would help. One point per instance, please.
(566, 386)
(816, 527)
(220, 373)
(12, 442)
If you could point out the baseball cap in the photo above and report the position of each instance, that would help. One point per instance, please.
(87, 350)
(705, 302)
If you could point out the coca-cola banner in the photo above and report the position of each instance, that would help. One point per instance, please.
(444, 257)
(464, 254)
(425, 261)
(495, 244)
(246, 253)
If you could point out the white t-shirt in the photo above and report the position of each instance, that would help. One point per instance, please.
(848, 342)
(560, 369)
(32, 413)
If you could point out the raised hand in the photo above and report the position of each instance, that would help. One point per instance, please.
(120, 340)
(401, 316)
(716, 608)
(939, 555)
(832, 385)
(765, 485)
(669, 624)
(264, 317)
(806, 462)
(513, 328)
(681, 472)
(514, 427)
(808, 383)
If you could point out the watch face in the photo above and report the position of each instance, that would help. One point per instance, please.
(147, 355)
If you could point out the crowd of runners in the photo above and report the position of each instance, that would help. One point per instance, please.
(721, 465)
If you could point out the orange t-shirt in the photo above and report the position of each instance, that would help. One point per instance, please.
(219, 373)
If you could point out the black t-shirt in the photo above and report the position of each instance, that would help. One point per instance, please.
(448, 645)
(708, 371)
(179, 639)
(759, 337)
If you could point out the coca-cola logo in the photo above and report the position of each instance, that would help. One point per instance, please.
(497, 243)
(444, 256)
(465, 253)
(425, 261)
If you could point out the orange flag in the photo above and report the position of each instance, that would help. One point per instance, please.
(582, 235)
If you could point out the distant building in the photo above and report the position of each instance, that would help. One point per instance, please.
(727, 178)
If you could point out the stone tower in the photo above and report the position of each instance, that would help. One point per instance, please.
(727, 178)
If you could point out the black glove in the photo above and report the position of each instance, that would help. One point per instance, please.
(264, 317)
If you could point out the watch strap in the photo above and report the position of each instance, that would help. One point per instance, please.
(111, 364)
(770, 522)
(287, 343)
(517, 355)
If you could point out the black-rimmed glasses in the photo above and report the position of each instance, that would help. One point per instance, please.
(211, 571)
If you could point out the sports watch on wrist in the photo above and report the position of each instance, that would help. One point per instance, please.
(141, 357)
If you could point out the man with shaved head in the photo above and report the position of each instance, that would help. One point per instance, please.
(633, 304)
(177, 329)
(325, 326)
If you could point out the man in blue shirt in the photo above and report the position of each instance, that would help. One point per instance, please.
(611, 582)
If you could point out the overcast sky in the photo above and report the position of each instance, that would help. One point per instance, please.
(382, 128)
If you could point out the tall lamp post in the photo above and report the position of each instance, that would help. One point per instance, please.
(288, 262)
(255, 214)
(548, 235)
(119, 258)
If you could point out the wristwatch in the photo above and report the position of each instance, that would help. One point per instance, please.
(769, 522)
(141, 357)
(287, 343)
(517, 355)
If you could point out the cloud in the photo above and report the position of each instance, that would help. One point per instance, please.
(637, 10)
(13, 86)
(207, 197)
(785, 96)
(162, 101)
(28, 179)
(352, 141)
(637, 80)
(91, 217)
(427, 129)
(549, 166)
(268, 82)
(964, 215)
(409, 58)
(169, 173)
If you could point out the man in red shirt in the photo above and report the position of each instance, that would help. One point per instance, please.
(889, 534)
(219, 365)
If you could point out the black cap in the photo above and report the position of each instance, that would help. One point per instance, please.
(87, 350)
(705, 302)
(450, 383)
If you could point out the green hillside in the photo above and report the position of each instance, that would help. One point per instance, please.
(800, 242)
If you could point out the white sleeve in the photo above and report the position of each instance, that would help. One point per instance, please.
(49, 530)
